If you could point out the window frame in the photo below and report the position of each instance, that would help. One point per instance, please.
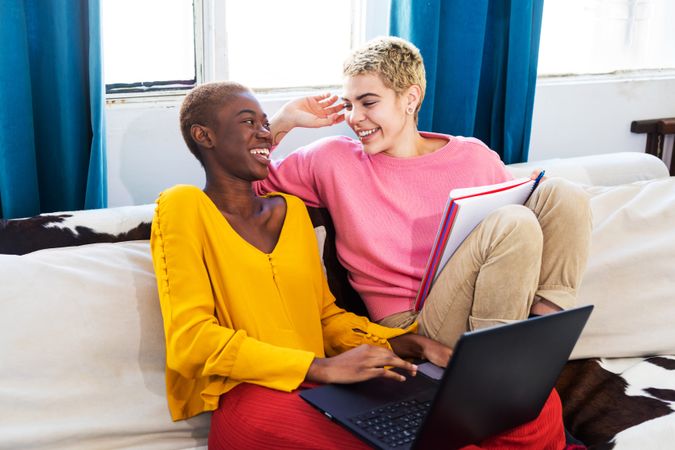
(211, 42)
(584, 77)
(144, 90)
(370, 19)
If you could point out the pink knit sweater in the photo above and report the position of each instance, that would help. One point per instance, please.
(386, 210)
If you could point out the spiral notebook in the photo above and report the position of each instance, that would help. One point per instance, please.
(464, 210)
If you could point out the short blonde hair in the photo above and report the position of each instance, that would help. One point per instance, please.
(397, 61)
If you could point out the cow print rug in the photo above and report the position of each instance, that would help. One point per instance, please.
(66, 229)
(620, 404)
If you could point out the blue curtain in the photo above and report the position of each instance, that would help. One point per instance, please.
(481, 63)
(52, 119)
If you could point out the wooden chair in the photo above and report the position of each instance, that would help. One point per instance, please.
(656, 130)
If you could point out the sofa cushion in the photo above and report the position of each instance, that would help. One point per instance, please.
(630, 274)
(83, 352)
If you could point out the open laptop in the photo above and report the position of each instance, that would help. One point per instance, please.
(497, 378)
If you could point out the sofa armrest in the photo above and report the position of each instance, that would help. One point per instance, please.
(609, 169)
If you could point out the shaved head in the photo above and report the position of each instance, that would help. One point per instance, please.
(201, 105)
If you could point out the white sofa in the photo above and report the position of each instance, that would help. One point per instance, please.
(81, 340)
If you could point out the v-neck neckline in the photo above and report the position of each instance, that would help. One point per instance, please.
(241, 238)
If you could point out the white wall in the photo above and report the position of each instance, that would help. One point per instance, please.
(146, 153)
(574, 118)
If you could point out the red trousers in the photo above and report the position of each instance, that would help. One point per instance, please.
(254, 417)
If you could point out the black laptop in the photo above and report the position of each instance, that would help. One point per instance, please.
(498, 378)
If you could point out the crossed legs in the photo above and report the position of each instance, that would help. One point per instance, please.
(517, 257)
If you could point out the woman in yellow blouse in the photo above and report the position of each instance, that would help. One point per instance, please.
(248, 316)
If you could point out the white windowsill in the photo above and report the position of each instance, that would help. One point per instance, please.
(171, 99)
(620, 75)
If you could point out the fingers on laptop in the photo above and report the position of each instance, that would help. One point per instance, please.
(359, 364)
(381, 360)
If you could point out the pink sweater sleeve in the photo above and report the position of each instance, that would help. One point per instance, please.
(293, 175)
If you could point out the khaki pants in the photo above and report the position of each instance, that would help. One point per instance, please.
(516, 253)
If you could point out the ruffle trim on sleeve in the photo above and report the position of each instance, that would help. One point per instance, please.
(375, 334)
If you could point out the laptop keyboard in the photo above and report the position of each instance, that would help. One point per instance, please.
(395, 424)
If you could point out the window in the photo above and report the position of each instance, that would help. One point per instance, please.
(264, 44)
(143, 53)
(305, 48)
(606, 36)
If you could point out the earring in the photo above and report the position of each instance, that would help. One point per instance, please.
(410, 109)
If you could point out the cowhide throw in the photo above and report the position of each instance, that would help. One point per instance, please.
(21, 236)
(620, 404)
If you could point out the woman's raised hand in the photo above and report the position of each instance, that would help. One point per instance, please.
(314, 111)
(358, 364)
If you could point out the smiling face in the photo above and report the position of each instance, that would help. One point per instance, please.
(238, 143)
(377, 114)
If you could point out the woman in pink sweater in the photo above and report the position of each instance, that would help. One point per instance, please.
(386, 192)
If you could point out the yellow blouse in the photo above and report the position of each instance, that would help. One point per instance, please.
(233, 313)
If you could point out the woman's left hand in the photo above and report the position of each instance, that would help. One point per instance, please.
(436, 352)
(413, 345)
